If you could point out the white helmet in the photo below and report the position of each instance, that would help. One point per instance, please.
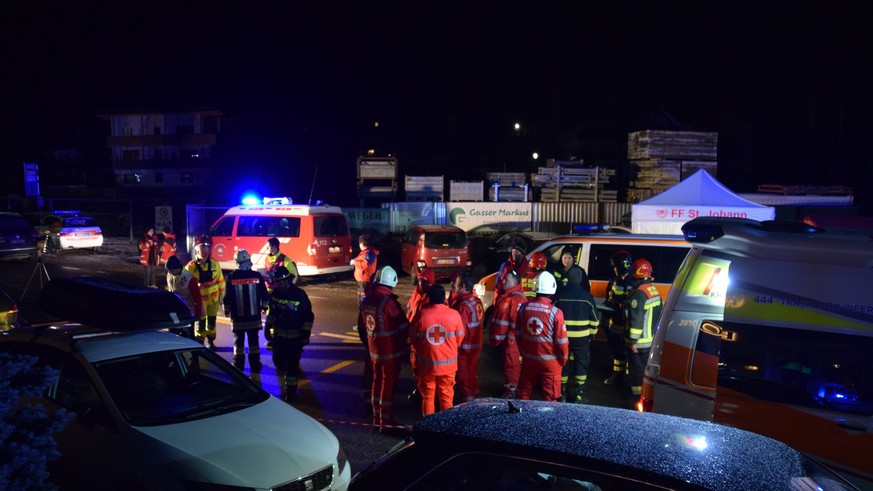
(546, 283)
(387, 276)
(242, 257)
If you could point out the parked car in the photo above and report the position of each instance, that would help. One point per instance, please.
(498, 444)
(444, 248)
(17, 237)
(8, 312)
(498, 252)
(155, 410)
(64, 231)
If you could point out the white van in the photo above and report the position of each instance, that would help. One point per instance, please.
(769, 328)
(317, 238)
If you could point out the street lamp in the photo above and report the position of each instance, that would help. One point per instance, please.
(535, 155)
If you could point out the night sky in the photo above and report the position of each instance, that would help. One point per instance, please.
(787, 85)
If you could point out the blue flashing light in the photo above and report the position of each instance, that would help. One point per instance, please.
(590, 228)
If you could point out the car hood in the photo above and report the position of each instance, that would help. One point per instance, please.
(262, 446)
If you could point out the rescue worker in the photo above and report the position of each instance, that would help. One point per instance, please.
(617, 291)
(168, 245)
(568, 260)
(580, 316)
(502, 331)
(418, 299)
(643, 311)
(210, 280)
(536, 265)
(365, 265)
(149, 256)
(386, 329)
(288, 326)
(276, 258)
(435, 336)
(472, 314)
(542, 342)
(515, 262)
(182, 282)
(244, 300)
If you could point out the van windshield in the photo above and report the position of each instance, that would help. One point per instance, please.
(267, 226)
(445, 240)
(330, 226)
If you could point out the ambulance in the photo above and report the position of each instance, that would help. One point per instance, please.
(769, 328)
(317, 238)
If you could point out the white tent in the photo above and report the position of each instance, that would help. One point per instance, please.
(700, 195)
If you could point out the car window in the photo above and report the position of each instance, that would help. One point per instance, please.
(79, 222)
(793, 366)
(445, 240)
(224, 227)
(264, 226)
(665, 260)
(13, 222)
(330, 226)
(490, 472)
(173, 386)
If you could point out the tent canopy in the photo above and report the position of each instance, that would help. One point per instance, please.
(699, 195)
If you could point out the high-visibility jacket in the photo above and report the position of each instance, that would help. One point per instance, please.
(273, 261)
(290, 315)
(416, 302)
(149, 250)
(185, 285)
(245, 298)
(505, 268)
(542, 335)
(501, 327)
(210, 279)
(617, 292)
(529, 282)
(435, 336)
(384, 321)
(168, 247)
(365, 265)
(580, 312)
(472, 314)
(643, 312)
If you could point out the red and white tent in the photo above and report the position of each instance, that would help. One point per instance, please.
(700, 195)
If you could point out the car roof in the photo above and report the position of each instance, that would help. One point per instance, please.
(438, 228)
(704, 454)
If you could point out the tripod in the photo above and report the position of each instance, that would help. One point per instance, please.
(38, 269)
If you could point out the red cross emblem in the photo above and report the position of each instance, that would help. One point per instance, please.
(534, 326)
(436, 334)
(370, 322)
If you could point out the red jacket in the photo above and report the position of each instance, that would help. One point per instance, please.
(542, 335)
(502, 324)
(505, 268)
(382, 318)
(472, 314)
(365, 265)
(435, 336)
(417, 301)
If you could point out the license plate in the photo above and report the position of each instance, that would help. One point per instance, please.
(445, 261)
(334, 250)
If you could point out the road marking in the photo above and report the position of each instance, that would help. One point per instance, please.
(338, 366)
(345, 337)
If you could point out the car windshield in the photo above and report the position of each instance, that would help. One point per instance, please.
(445, 240)
(167, 387)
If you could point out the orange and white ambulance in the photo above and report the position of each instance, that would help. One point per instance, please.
(769, 328)
(317, 238)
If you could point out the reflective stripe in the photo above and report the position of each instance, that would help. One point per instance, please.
(436, 362)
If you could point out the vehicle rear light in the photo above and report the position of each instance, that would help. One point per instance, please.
(645, 405)
(311, 249)
(469, 263)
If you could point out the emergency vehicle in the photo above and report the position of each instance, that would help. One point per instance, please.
(769, 328)
(592, 253)
(317, 238)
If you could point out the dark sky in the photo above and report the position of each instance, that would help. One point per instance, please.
(787, 85)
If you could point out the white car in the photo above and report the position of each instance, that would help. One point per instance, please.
(158, 411)
(67, 232)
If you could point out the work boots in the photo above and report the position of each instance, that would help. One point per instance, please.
(617, 378)
(239, 361)
(255, 363)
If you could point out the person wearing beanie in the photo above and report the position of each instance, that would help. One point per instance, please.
(568, 261)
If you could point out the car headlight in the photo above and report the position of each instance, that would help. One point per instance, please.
(479, 288)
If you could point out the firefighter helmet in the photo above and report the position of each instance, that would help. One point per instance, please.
(281, 273)
(201, 247)
(621, 261)
(538, 261)
(387, 276)
(546, 283)
(641, 269)
(242, 256)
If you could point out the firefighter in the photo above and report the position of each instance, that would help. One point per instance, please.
(210, 279)
(568, 261)
(435, 335)
(472, 314)
(182, 282)
(643, 311)
(149, 256)
(536, 265)
(515, 262)
(276, 258)
(580, 316)
(542, 342)
(365, 265)
(244, 300)
(288, 326)
(386, 329)
(617, 291)
(502, 330)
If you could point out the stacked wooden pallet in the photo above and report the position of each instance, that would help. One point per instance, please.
(661, 159)
(578, 194)
(571, 181)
